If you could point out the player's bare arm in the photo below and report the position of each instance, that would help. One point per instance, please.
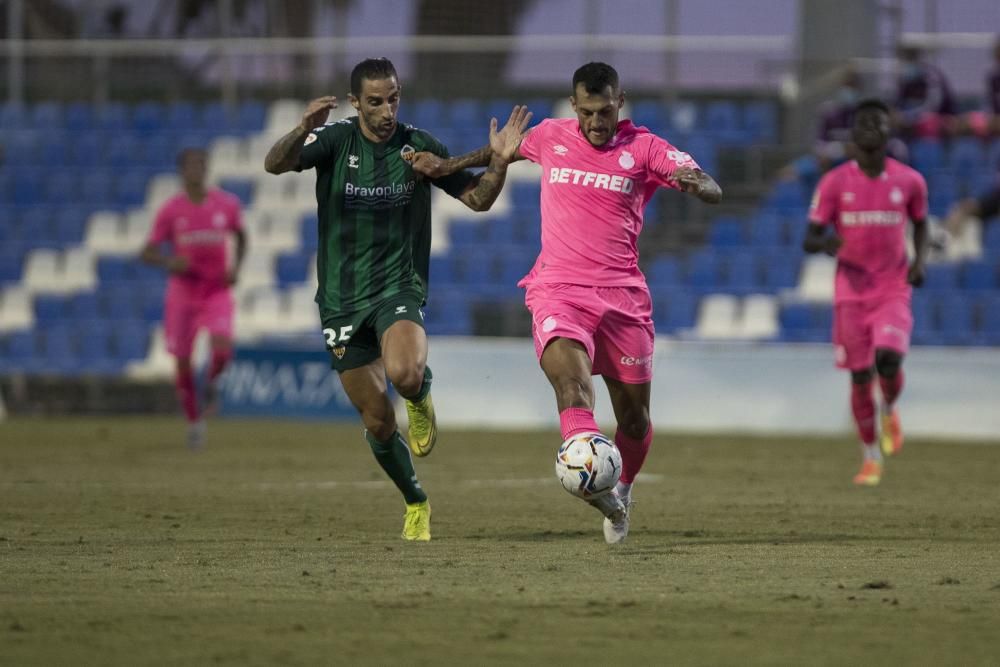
(818, 240)
(151, 254)
(241, 251)
(503, 142)
(484, 189)
(698, 183)
(284, 154)
(921, 244)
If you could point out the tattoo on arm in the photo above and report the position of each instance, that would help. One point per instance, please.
(487, 186)
(481, 157)
(284, 154)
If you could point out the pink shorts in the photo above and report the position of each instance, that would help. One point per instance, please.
(861, 327)
(614, 325)
(183, 317)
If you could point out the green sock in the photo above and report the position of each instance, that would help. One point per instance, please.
(394, 457)
(425, 388)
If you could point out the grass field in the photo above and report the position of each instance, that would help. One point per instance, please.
(279, 544)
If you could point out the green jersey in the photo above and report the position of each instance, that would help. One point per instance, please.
(374, 213)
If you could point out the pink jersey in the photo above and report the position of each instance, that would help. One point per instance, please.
(592, 200)
(870, 215)
(198, 232)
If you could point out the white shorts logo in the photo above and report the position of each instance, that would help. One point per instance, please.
(549, 324)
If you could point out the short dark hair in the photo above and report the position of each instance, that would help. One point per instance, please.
(371, 68)
(187, 151)
(595, 77)
(872, 103)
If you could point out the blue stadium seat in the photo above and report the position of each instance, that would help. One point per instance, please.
(46, 116)
(499, 231)
(214, 118)
(22, 148)
(924, 313)
(29, 186)
(131, 340)
(148, 117)
(62, 187)
(111, 117)
(130, 190)
(727, 233)
(50, 308)
(515, 262)
(766, 231)
(990, 317)
(787, 196)
(703, 149)
(703, 269)
(97, 187)
(78, 117)
(991, 238)
(664, 271)
(69, 224)
(181, 117)
(13, 116)
(525, 195)
(980, 275)
(125, 151)
(743, 274)
(114, 269)
(465, 233)
(11, 263)
(673, 309)
(942, 276)
(441, 271)
(292, 268)
(118, 301)
(780, 269)
(83, 306)
(87, 149)
(466, 113)
(448, 313)
(310, 232)
(152, 306)
(966, 157)
(955, 315)
(251, 117)
(926, 155)
(760, 119)
(476, 267)
(242, 188)
(500, 107)
(52, 149)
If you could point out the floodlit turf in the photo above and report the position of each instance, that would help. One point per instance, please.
(279, 544)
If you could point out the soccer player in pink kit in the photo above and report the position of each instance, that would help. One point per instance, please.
(867, 203)
(591, 309)
(197, 224)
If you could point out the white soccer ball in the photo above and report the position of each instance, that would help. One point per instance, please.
(588, 465)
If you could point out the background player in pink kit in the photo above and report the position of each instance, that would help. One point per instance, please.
(867, 202)
(591, 309)
(197, 224)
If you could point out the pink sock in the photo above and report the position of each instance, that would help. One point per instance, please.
(633, 453)
(220, 357)
(577, 420)
(863, 407)
(186, 394)
(891, 387)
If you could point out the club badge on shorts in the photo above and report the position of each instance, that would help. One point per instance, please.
(339, 351)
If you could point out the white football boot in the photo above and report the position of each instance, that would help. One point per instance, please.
(615, 516)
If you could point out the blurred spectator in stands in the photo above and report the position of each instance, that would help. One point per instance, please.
(925, 105)
(984, 207)
(833, 136)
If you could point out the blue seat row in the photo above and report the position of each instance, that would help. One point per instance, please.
(145, 117)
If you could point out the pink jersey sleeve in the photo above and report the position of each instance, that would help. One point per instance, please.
(823, 208)
(917, 206)
(531, 145)
(664, 159)
(161, 231)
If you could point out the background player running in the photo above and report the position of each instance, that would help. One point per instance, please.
(591, 308)
(197, 224)
(374, 251)
(867, 203)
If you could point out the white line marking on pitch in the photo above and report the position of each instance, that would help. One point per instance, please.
(476, 483)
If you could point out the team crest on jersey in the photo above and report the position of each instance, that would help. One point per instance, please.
(219, 220)
(182, 222)
(339, 351)
(896, 196)
(626, 160)
(847, 197)
(406, 151)
(559, 149)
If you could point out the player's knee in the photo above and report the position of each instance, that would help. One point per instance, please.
(861, 377)
(635, 425)
(406, 378)
(381, 426)
(888, 362)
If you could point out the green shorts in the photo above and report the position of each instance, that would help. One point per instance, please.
(354, 339)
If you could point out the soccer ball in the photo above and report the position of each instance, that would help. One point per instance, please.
(588, 465)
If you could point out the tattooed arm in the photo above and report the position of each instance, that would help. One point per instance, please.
(284, 155)
(503, 143)
(485, 187)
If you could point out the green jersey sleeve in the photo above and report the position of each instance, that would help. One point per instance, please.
(454, 184)
(319, 147)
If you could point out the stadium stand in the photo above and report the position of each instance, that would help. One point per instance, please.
(74, 299)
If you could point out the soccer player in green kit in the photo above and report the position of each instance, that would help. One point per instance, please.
(374, 252)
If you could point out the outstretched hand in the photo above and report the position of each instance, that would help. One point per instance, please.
(506, 141)
(317, 111)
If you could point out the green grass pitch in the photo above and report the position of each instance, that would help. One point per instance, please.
(279, 544)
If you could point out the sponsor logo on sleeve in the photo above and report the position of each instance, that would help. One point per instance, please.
(311, 137)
